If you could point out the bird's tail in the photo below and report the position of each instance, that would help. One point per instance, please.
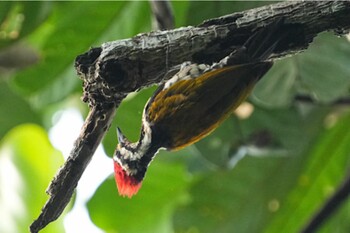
(263, 42)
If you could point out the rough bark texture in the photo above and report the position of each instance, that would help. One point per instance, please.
(130, 64)
(116, 68)
(64, 183)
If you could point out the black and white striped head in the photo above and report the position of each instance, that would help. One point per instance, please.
(130, 163)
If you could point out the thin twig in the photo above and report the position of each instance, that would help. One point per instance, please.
(163, 16)
(309, 99)
(329, 207)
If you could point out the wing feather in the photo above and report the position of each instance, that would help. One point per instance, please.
(191, 108)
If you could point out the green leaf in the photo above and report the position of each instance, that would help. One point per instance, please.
(203, 10)
(322, 72)
(128, 119)
(230, 200)
(324, 68)
(74, 28)
(27, 164)
(277, 87)
(217, 147)
(71, 29)
(133, 18)
(14, 110)
(326, 165)
(34, 13)
(180, 9)
(339, 221)
(4, 9)
(21, 19)
(149, 211)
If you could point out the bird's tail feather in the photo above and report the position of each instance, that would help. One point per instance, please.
(264, 41)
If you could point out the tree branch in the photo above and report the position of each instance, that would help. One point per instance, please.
(131, 64)
(329, 207)
(64, 183)
(163, 17)
(116, 68)
(309, 99)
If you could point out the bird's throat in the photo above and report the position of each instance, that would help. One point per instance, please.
(127, 185)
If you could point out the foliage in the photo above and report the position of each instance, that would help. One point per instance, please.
(268, 172)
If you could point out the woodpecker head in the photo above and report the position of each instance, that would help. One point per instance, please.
(130, 163)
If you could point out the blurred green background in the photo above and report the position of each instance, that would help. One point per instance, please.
(268, 168)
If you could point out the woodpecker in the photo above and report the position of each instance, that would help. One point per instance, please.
(191, 104)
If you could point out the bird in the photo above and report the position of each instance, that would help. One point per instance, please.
(192, 104)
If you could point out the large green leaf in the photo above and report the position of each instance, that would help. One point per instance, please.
(326, 165)
(133, 18)
(322, 72)
(264, 133)
(180, 9)
(4, 10)
(128, 119)
(14, 110)
(18, 19)
(34, 13)
(27, 163)
(70, 30)
(230, 200)
(150, 210)
(277, 87)
(202, 10)
(217, 147)
(324, 68)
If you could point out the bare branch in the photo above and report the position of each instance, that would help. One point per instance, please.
(131, 64)
(116, 68)
(309, 99)
(163, 17)
(63, 185)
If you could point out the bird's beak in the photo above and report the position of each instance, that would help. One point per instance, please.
(121, 138)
